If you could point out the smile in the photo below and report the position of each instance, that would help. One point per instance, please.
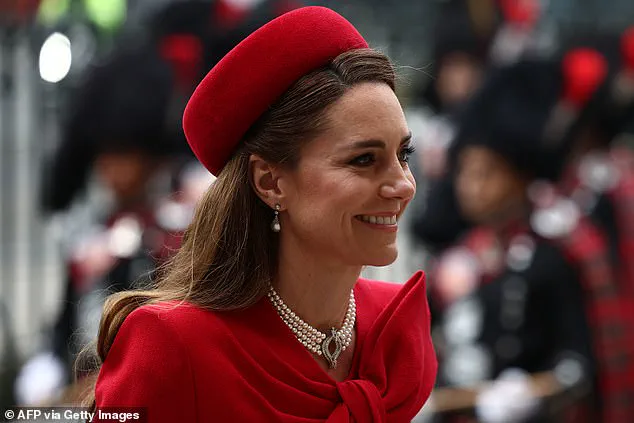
(378, 220)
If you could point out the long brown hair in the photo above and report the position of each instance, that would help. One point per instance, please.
(229, 253)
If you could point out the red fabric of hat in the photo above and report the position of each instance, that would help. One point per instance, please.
(240, 88)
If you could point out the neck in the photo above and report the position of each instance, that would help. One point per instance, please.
(315, 289)
(134, 202)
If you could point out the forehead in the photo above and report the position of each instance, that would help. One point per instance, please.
(367, 111)
(482, 157)
(477, 154)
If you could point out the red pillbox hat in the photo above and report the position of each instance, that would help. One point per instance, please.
(242, 86)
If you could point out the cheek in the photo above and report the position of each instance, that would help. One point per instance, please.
(467, 185)
(499, 193)
(501, 189)
(493, 190)
(477, 192)
(325, 208)
(323, 196)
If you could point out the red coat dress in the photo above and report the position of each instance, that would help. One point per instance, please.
(187, 364)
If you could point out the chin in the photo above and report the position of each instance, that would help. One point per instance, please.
(385, 258)
(474, 215)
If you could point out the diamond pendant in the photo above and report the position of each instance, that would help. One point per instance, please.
(325, 348)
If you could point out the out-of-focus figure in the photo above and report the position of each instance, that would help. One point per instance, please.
(519, 34)
(462, 36)
(600, 180)
(118, 146)
(459, 59)
(472, 38)
(117, 135)
(600, 173)
(540, 265)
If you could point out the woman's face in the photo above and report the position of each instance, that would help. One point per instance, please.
(458, 77)
(125, 173)
(352, 183)
(488, 189)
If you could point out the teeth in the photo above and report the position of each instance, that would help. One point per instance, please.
(380, 220)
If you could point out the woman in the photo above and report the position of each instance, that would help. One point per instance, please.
(262, 316)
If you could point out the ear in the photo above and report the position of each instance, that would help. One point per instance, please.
(264, 178)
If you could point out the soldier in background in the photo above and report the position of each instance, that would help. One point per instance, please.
(600, 172)
(600, 180)
(531, 306)
(462, 34)
(118, 138)
(471, 38)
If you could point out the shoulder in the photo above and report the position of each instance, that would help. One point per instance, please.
(149, 333)
(171, 313)
(157, 333)
(553, 265)
(551, 255)
(147, 365)
(174, 321)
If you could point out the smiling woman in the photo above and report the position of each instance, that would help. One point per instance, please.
(262, 315)
(349, 179)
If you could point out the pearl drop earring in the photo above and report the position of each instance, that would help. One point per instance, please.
(275, 225)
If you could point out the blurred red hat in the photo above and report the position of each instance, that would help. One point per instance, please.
(241, 87)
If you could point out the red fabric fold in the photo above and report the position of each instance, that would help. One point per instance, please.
(248, 366)
(397, 365)
(362, 400)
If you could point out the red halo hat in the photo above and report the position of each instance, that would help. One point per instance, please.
(241, 87)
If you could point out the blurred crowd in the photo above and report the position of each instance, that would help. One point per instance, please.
(525, 167)
(526, 153)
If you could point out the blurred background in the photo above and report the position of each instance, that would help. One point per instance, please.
(97, 182)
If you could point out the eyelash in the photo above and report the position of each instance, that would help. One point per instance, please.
(404, 157)
(407, 151)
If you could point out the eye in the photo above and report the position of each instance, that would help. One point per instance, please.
(363, 160)
(406, 153)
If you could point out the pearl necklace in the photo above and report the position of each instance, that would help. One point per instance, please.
(313, 339)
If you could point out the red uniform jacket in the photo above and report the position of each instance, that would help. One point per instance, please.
(187, 364)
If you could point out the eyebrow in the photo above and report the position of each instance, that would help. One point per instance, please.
(376, 143)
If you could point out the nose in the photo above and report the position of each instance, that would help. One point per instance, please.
(400, 184)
